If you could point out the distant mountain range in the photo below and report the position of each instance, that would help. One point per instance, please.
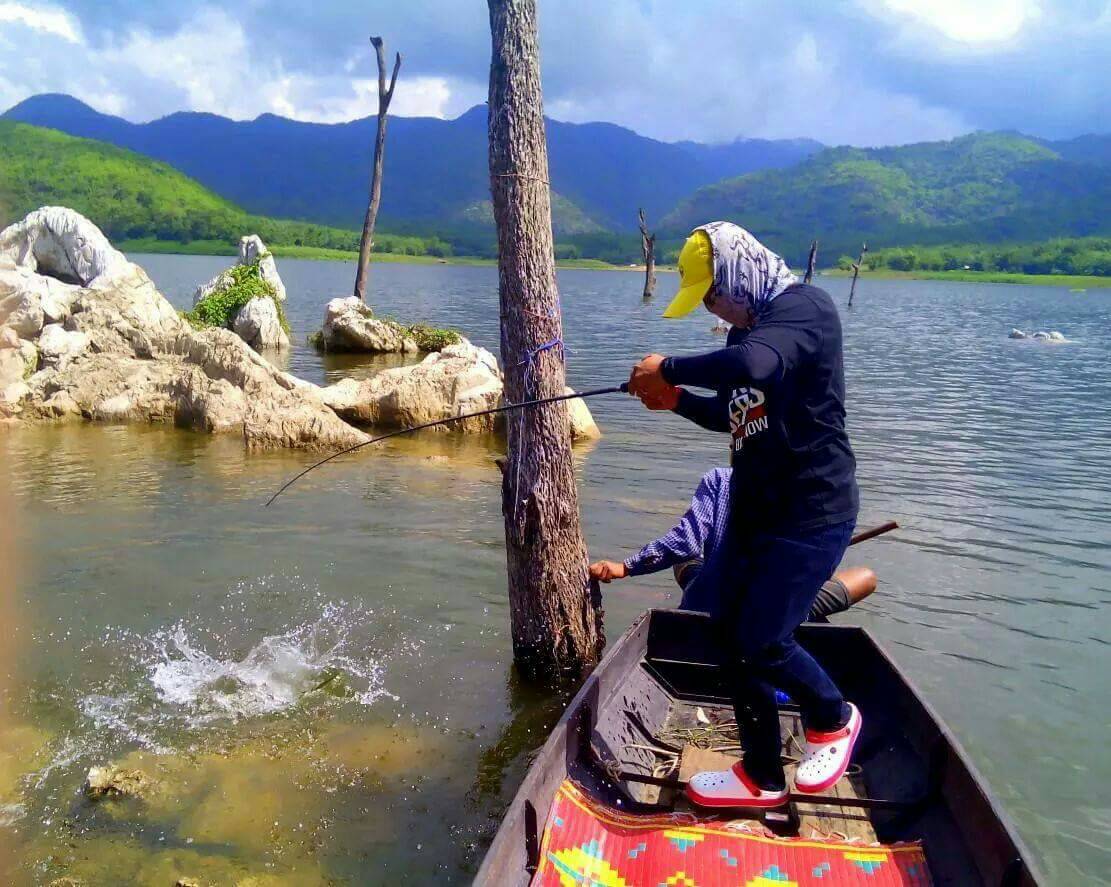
(981, 188)
(436, 170)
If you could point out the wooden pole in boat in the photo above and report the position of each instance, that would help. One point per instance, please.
(556, 627)
(856, 270)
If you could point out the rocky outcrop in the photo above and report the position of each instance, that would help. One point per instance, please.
(110, 781)
(258, 322)
(350, 325)
(116, 351)
(251, 250)
(583, 426)
(1040, 336)
(461, 379)
(84, 334)
(61, 244)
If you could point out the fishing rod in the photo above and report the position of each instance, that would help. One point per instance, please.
(623, 388)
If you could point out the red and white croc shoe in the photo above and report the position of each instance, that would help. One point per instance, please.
(827, 755)
(731, 788)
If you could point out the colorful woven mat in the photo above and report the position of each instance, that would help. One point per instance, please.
(589, 845)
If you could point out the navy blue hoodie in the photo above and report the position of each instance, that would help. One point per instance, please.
(780, 393)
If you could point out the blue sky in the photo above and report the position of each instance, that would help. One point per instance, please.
(865, 72)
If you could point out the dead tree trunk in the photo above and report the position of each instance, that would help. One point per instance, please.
(856, 271)
(384, 96)
(648, 250)
(810, 260)
(556, 624)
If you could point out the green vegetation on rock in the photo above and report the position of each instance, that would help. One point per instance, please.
(235, 288)
(429, 338)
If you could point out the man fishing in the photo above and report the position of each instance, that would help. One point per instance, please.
(778, 389)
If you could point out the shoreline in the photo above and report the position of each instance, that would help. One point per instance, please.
(1072, 281)
(326, 254)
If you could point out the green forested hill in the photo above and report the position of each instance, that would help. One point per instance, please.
(130, 196)
(985, 187)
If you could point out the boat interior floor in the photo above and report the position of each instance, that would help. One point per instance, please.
(671, 716)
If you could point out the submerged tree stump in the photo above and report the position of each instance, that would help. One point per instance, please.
(556, 626)
(648, 251)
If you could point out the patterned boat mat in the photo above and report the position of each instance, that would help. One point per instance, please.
(587, 844)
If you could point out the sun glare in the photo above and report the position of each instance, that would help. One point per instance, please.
(984, 21)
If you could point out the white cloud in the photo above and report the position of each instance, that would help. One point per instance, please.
(208, 64)
(308, 98)
(963, 21)
(846, 71)
(46, 19)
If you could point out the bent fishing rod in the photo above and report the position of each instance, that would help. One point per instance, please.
(623, 388)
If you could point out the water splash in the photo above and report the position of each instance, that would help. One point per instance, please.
(188, 677)
(274, 675)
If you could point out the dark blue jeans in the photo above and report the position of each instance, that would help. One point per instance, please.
(776, 580)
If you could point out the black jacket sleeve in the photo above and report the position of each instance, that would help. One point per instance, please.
(712, 413)
(750, 362)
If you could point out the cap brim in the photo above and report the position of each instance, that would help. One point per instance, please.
(687, 299)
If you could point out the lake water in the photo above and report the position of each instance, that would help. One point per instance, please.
(324, 688)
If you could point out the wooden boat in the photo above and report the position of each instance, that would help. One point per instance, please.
(914, 781)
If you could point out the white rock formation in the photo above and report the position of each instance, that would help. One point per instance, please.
(256, 323)
(121, 353)
(57, 242)
(350, 325)
(59, 347)
(250, 248)
(461, 379)
(583, 426)
(13, 368)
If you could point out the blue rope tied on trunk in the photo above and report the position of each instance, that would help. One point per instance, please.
(529, 363)
(531, 356)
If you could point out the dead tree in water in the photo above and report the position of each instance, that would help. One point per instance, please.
(810, 260)
(856, 270)
(648, 250)
(556, 624)
(384, 96)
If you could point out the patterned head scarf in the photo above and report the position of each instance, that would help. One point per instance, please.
(745, 270)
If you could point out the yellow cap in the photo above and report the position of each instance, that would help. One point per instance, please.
(696, 274)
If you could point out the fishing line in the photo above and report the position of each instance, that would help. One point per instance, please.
(623, 388)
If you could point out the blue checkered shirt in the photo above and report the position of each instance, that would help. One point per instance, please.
(698, 533)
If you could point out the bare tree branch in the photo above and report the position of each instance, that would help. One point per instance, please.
(384, 96)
